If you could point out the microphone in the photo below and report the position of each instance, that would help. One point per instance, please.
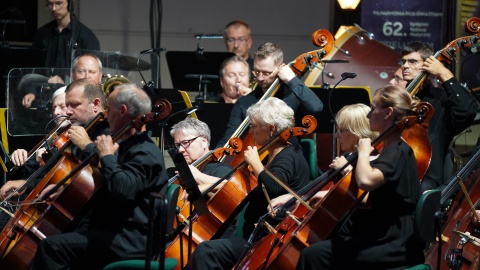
(208, 36)
(348, 75)
(153, 50)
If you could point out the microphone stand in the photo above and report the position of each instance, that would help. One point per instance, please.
(345, 75)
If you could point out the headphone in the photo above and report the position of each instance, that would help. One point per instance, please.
(71, 7)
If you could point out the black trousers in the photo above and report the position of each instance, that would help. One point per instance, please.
(217, 254)
(76, 250)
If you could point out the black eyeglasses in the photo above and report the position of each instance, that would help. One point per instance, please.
(402, 62)
(185, 144)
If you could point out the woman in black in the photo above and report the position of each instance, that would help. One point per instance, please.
(379, 236)
(286, 162)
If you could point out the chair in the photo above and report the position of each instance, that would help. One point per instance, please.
(310, 154)
(168, 203)
(424, 223)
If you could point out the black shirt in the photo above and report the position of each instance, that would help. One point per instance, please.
(58, 46)
(299, 97)
(455, 110)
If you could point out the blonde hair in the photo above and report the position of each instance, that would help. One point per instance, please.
(354, 119)
(397, 98)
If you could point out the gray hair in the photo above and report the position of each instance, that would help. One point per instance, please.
(273, 111)
(136, 100)
(193, 126)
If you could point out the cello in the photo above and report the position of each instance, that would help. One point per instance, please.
(281, 248)
(226, 203)
(40, 218)
(212, 155)
(450, 253)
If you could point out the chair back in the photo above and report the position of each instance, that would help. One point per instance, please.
(424, 220)
(161, 217)
(310, 154)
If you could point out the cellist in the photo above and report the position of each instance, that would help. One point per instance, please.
(285, 161)
(351, 125)
(131, 169)
(455, 109)
(84, 100)
(379, 235)
(192, 139)
(268, 66)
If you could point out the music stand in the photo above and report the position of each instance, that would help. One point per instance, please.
(182, 63)
(341, 96)
(180, 104)
(216, 116)
(190, 186)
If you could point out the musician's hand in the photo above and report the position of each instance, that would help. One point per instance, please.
(318, 196)
(475, 221)
(278, 201)
(27, 100)
(10, 186)
(285, 73)
(19, 157)
(433, 66)
(253, 159)
(338, 162)
(79, 136)
(39, 157)
(105, 146)
(365, 146)
(53, 195)
(242, 90)
(56, 79)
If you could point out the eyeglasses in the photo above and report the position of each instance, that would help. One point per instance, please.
(341, 130)
(257, 73)
(58, 4)
(185, 144)
(411, 62)
(239, 40)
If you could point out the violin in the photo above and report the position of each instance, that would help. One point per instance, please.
(227, 202)
(40, 218)
(281, 248)
(447, 54)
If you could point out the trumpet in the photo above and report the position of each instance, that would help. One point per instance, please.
(109, 82)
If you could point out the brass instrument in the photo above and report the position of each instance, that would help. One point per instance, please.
(109, 82)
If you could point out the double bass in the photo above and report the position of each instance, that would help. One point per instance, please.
(281, 248)
(39, 218)
(302, 66)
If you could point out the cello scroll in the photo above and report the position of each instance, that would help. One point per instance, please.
(322, 38)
